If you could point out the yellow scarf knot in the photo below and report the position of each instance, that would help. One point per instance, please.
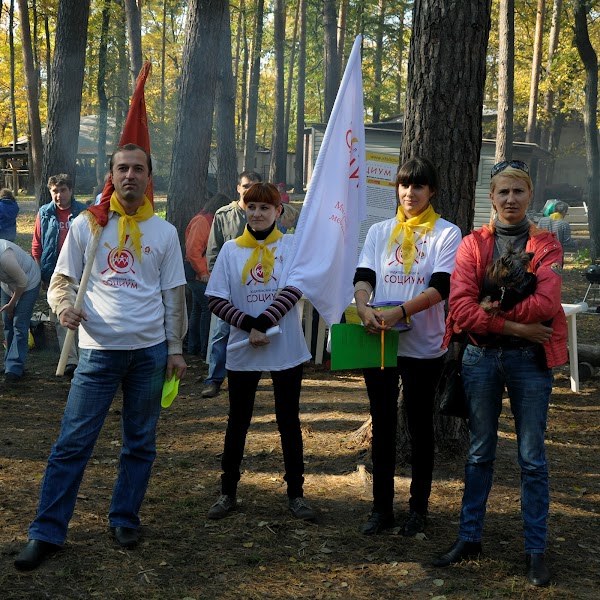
(130, 222)
(260, 255)
(556, 216)
(405, 230)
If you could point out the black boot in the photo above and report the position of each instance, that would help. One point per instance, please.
(459, 551)
(537, 571)
(376, 522)
(34, 553)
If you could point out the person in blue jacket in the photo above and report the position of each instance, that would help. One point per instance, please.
(9, 209)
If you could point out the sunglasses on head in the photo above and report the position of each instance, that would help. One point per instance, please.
(515, 164)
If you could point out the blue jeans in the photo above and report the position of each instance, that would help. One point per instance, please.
(16, 330)
(199, 319)
(217, 352)
(141, 375)
(486, 371)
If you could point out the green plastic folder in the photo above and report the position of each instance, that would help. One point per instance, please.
(353, 348)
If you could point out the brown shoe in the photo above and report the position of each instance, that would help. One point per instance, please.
(211, 390)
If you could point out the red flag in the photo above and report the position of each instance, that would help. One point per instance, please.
(135, 131)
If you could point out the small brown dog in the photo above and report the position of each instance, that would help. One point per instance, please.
(507, 281)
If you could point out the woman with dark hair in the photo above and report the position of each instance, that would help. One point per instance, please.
(513, 349)
(9, 209)
(243, 290)
(196, 239)
(406, 261)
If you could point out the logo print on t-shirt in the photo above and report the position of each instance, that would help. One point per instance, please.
(120, 263)
(419, 254)
(256, 274)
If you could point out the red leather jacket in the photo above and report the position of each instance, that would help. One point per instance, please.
(474, 254)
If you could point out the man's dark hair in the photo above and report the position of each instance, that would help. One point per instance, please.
(6, 193)
(60, 179)
(252, 176)
(215, 203)
(129, 148)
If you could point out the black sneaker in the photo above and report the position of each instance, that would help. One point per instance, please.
(222, 507)
(12, 377)
(414, 524)
(301, 509)
(376, 522)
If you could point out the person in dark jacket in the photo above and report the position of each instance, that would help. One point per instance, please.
(9, 209)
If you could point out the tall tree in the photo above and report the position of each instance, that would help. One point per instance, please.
(377, 66)
(133, 13)
(163, 53)
(251, 115)
(62, 130)
(278, 145)
(590, 62)
(341, 31)
(331, 60)
(33, 101)
(506, 73)
(102, 97)
(299, 159)
(290, 79)
(195, 107)
(225, 114)
(549, 94)
(530, 135)
(446, 78)
(11, 49)
(400, 46)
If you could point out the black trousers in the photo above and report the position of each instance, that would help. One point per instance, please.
(419, 378)
(242, 391)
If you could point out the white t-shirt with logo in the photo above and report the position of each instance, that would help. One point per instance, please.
(435, 253)
(285, 350)
(123, 301)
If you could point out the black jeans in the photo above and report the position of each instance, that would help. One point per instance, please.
(242, 391)
(419, 378)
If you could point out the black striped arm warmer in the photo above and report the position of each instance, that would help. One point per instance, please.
(282, 304)
(230, 314)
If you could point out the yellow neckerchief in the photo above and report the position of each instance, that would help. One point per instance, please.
(143, 213)
(261, 254)
(406, 229)
(556, 216)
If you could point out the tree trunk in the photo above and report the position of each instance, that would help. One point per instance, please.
(400, 31)
(445, 87)
(244, 78)
(225, 114)
(133, 14)
(377, 62)
(331, 61)
(549, 95)
(62, 131)
(288, 92)
(590, 62)
(446, 78)
(195, 107)
(506, 72)
(251, 115)
(163, 52)
(122, 83)
(101, 166)
(278, 148)
(299, 158)
(530, 135)
(48, 58)
(341, 32)
(11, 48)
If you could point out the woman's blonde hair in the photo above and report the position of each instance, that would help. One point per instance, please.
(513, 174)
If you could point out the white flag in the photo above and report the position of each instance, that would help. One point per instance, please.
(325, 249)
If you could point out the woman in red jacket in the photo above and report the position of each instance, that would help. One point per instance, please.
(513, 349)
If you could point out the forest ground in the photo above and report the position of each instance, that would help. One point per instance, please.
(260, 551)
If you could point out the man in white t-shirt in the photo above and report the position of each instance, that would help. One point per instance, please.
(131, 331)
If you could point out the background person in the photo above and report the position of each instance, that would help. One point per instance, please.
(19, 288)
(243, 289)
(9, 209)
(133, 322)
(196, 240)
(511, 350)
(408, 258)
(51, 227)
(229, 223)
(556, 224)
